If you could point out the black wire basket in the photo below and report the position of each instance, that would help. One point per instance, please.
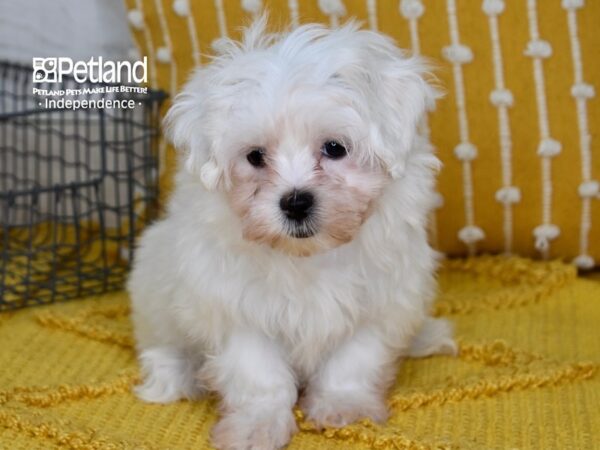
(76, 186)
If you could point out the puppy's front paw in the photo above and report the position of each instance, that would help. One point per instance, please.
(337, 409)
(254, 430)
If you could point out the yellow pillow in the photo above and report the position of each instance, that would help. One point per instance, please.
(515, 131)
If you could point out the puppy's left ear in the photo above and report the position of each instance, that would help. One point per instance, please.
(187, 125)
(403, 93)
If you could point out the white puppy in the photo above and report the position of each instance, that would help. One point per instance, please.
(293, 255)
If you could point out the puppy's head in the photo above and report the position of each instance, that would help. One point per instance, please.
(301, 131)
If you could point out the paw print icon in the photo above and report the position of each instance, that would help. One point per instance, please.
(45, 70)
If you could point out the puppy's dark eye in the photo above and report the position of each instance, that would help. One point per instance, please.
(256, 157)
(334, 150)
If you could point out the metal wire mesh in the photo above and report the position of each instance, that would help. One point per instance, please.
(76, 186)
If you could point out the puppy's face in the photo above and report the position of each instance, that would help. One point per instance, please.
(297, 183)
(301, 132)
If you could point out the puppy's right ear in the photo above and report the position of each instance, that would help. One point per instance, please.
(185, 125)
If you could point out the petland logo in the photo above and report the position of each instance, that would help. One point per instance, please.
(101, 84)
(96, 70)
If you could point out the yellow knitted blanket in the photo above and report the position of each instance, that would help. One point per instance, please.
(527, 374)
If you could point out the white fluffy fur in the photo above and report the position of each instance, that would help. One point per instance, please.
(258, 318)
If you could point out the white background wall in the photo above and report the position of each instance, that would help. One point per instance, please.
(79, 29)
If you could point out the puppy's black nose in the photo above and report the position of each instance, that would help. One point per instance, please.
(297, 204)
